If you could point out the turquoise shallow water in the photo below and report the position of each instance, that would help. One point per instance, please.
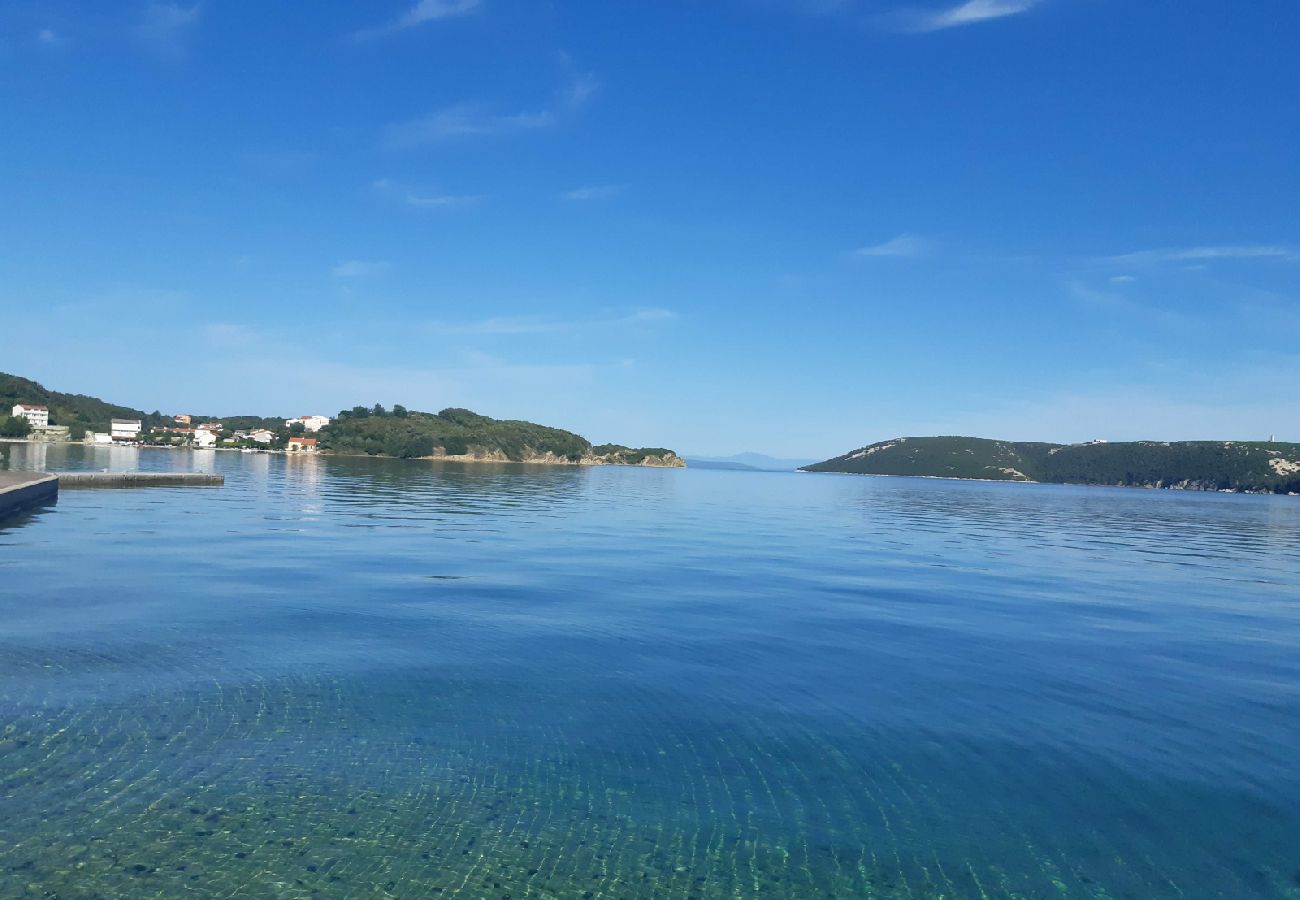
(357, 678)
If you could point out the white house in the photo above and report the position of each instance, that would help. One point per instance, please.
(36, 416)
(204, 437)
(304, 444)
(125, 429)
(98, 437)
(309, 423)
(261, 435)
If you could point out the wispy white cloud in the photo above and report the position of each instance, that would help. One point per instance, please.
(968, 12)
(579, 90)
(164, 29)
(441, 201)
(909, 245)
(507, 325)
(463, 121)
(496, 325)
(1157, 315)
(279, 162)
(397, 193)
(1091, 296)
(922, 16)
(1280, 252)
(230, 335)
(593, 192)
(50, 39)
(359, 268)
(468, 120)
(651, 314)
(421, 13)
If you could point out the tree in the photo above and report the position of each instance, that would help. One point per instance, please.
(15, 427)
(379, 411)
(399, 411)
(297, 428)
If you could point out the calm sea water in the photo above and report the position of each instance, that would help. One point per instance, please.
(357, 678)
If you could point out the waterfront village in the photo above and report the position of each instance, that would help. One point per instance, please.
(295, 436)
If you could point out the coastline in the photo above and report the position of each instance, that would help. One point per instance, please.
(1178, 486)
(499, 458)
(496, 456)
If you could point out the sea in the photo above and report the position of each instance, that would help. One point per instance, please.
(355, 677)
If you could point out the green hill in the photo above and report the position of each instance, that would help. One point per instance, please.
(462, 433)
(372, 430)
(78, 411)
(1251, 466)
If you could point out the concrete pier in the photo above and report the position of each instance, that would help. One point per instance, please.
(137, 479)
(24, 490)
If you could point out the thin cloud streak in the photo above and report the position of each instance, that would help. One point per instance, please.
(50, 39)
(593, 192)
(421, 13)
(510, 325)
(165, 28)
(462, 121)
(969, 12)
(359, 268)
(394, 192)
(442, 201)
(1280, 252)
(905, 245)
(579, 91)
(468, 120)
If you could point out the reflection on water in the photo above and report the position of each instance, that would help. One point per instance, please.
(354, 677)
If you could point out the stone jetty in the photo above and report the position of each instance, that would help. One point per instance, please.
(24, 490)
(137, 479)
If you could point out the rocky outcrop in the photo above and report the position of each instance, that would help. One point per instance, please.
(659, 459)
(664, 460)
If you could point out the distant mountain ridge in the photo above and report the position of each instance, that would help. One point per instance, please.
(1245, 466)
(748, 460)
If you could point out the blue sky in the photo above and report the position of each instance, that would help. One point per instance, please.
(792, 226)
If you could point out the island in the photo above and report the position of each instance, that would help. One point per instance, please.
(459, 434)
(452, 434)
(1255, 467)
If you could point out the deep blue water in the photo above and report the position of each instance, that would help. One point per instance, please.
(359, 678)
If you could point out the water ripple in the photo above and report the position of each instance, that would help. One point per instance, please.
(353, 677)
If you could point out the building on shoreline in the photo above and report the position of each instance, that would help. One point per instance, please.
(309, 423)
(125, 429)
(36, 416)
(38, 420)
(304, 444)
